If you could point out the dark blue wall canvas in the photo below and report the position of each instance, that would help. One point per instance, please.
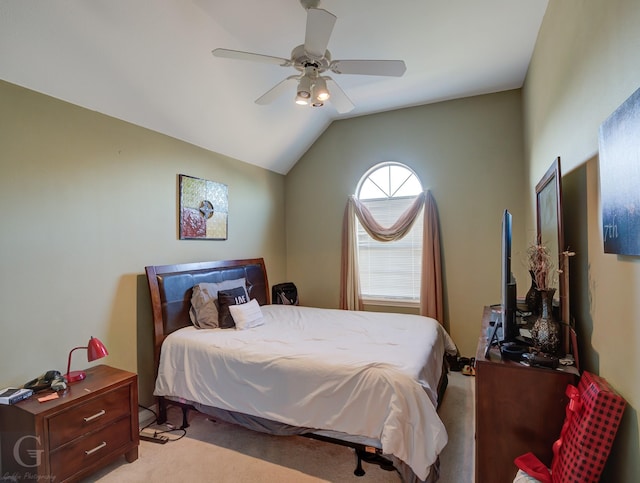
(619, 141)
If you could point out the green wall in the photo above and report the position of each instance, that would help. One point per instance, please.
(468, 152)
(585, 64)
(87, 201)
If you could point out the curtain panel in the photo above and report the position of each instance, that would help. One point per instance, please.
(431, 304)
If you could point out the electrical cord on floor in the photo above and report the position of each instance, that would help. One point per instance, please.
(172, 430)
(155, 416)
(160, 432)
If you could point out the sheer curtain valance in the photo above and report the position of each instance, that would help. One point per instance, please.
(431, 278)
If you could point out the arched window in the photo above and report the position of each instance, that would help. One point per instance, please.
(390, 271)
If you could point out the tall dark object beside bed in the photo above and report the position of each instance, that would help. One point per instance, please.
(171, 287)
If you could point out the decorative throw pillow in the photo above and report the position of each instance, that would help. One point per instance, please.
(247, 315)
(227, 299)
(203, 312)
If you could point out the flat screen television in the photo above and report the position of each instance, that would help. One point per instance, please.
(509, 330)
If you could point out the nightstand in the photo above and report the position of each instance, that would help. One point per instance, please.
(93, 422)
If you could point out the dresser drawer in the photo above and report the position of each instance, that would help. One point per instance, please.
(86, 417)
(68, 460)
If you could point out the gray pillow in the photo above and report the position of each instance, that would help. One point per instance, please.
(203, 312)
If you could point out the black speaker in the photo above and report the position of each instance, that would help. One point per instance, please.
(513, 351)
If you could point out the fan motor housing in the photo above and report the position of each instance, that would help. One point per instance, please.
(307, 4)
(302, 59)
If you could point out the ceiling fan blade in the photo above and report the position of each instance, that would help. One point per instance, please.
(276, 91)
(238, 54)
(338, 97)
(395, 68)
(319, 27)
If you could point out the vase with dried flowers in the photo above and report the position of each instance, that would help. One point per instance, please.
(540, 266)
(545, 332)
(532, 297)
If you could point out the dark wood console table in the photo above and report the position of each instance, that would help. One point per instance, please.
(518, 409)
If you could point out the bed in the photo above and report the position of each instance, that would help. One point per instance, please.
(371, 381)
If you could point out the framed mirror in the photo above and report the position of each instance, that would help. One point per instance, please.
(551, 234)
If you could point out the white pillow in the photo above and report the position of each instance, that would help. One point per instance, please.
(247, 315)
(203, 311)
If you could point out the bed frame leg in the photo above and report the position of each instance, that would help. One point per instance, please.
(359, 471)
(373, 458)
(162, 410)
(185, 422)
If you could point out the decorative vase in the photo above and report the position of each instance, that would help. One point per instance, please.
(533, 299)
(545, 332)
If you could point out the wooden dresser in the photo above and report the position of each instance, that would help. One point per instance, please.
(518, 409)
(93, 422)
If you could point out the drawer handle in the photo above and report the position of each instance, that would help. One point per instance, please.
(97, 448)
(102, 412)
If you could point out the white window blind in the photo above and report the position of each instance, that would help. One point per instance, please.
(390, 270)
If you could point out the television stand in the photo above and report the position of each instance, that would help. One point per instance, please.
(524, 405)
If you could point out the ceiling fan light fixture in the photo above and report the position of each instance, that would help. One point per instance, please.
(304, 88)
(302, 101)
(320, 91)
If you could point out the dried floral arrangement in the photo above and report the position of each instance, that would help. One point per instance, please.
(541, 266)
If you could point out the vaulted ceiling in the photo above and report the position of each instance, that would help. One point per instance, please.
(149, 62)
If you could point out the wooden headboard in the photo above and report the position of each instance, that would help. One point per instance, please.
(171, 285)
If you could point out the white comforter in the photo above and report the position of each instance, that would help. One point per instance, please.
(362, 373)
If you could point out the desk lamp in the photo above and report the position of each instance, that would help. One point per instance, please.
(95, 350)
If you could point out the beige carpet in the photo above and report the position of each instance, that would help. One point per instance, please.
(220, 452)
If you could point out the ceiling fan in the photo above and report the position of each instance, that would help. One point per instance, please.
(312, 60)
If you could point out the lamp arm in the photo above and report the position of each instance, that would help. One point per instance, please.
(69, 362)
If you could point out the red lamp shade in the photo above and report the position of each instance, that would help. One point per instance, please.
(95, 350)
